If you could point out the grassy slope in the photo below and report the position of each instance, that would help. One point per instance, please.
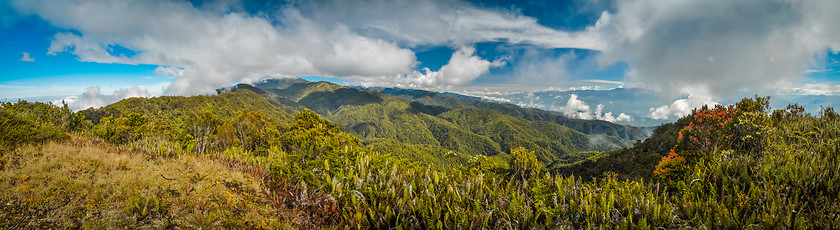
(85, 183)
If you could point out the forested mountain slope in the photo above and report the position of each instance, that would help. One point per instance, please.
(634, 162)
(392, 122)
(169, 108)
(456, 101)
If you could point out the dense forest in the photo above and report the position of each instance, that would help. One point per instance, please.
(318, 155)
(457, 101)
(425, 132)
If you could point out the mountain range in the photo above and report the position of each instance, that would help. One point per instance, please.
(315, 154)
(427, 125)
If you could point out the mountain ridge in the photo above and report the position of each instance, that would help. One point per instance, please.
(374, 116)
(452, 100)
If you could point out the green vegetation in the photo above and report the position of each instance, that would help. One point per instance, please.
(416, 131)
(35, 122)
(637, 162)
(453, 101)
(552, 142)
(84, 183)
(205, 162)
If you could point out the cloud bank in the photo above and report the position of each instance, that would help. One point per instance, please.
(463, 68)
(706, 50)
(214, 49)
(680, 107)
(720, 48)
(94, 98)
(575, 108)
(434, 22)
(214, 45)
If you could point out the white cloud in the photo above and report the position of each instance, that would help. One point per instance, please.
(721, 47)
(16, 86)
(814, 89)
(441, 22)
(679, 47)
(823, 70)
(94, 98)
(575, 108)
(215, 49)
(680, 107)
(214, 46)
(605, 81)
(169, 71)
(463, 68)
(608, 116)
(623, 117)
(26, 57)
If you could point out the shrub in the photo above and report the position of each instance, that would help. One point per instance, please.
(524, 163)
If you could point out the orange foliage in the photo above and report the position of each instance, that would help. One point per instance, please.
(710, 129)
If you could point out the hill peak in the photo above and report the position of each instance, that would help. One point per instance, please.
(281, 83)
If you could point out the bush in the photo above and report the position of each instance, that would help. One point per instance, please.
(742, 127)
(524, 163)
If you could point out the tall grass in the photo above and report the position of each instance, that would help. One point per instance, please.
(84, 184)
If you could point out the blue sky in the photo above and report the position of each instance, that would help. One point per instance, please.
(92, 53)
(61, 74)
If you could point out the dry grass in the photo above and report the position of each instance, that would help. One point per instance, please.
(84, 183)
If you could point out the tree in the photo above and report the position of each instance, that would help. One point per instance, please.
(202, 127)
(315, 143)
(250, 130)
(795, 110)
(314, 135)
(828, 112)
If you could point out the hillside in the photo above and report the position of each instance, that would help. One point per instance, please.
(376, 117)
(636, 162)
(455, 101)
(730, 167)
(166, 108)
(84, 183)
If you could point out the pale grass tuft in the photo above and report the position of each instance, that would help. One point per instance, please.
(87, 183)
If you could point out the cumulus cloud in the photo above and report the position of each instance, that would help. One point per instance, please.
(214, 49)
(722, 48)
(691, 47)
(94, 98)
(463, 68)
(575, 108)
(608, 116)
(26, 57)
(204, 48)
(680, 107)
(441, 22)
